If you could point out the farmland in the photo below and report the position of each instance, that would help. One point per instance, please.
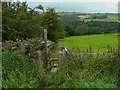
(32, 56)
(110, 18)
(113, 16)
(87, 16)
(98, 20)
(105, 20)
(99, 41)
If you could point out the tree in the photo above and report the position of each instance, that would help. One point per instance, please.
(69, 30)
(95, 30)
(51, 21)
(18, 22)
(82, 30)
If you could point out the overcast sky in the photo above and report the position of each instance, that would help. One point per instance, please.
(66, 0)
(86, 7)
(104, 6)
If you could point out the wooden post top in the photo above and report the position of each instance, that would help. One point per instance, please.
(45, 34)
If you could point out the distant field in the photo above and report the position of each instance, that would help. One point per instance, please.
(96, 41)
(66, 13)
(98, 20)
(113, 17)
(72, 13)
(82, 16)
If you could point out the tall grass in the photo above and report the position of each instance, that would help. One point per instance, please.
(20, 73)
(88, 72)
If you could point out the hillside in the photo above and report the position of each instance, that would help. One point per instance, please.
(100, 41)
(49, 49)
(107, 17)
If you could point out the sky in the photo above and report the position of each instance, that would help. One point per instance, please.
(87, 6)
(84, 7)
(66, 0)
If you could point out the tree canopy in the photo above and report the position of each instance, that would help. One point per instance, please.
(20, 21)
(51, 21)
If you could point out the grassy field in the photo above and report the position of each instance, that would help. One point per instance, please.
(96, 41)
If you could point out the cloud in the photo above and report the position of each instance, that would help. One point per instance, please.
(73, 0)
(65, 0)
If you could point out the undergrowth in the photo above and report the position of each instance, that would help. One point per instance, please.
(84, 72)
(17, 72)
(90, 72)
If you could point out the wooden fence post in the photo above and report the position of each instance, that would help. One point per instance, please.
(60, 56)
(45, 49)
(39, 59)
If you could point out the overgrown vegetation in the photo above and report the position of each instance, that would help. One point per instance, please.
(87, 71)
(17, 72)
